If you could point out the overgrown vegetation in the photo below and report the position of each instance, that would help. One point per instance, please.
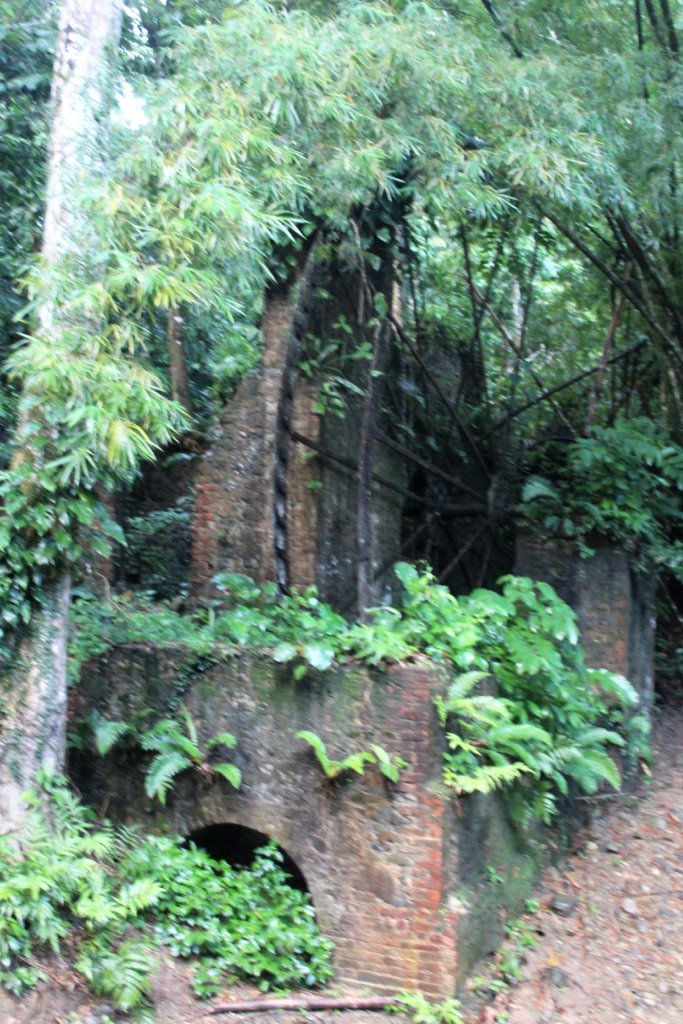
(108, 895)
(623, 484)
(175, 745)
(550, 723)
(423, 1011)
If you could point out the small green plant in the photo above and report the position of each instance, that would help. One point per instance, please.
(157, 555)
(334, 770)
(508, 964)
(622, 483)
(390, 765)
(422, 1011)
(493, 876)
(178, 750)
(511, 956)
(60, 881)
(232, 923)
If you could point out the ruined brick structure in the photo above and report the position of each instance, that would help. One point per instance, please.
(259, 480)
(614, 604)
(390, 867)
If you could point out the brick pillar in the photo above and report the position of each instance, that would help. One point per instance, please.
(614, 604)
(399, 926)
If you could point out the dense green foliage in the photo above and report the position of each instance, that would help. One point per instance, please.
(520, 167)
(110, 894)
(623, 484)
(551, 720)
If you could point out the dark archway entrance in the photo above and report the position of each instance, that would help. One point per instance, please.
(238, 844)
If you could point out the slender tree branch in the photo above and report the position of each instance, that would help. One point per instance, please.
(429, 466)
(462, 552)
(654, 24)
(509, 340)
(446, 511)
(462, 427)
(606, 353)
(642, 259)
(610, 274)
(372, 400)
(668, 20)
(304, 1003)
(495, 18)
(576, 379)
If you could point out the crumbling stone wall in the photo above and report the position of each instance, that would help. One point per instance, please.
(614, 604)
(382, 860)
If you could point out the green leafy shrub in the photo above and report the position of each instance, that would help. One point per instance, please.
(97, 625)
(109, 894)
(622, 483)
(62, 883)
(175, 744)
(246, 923)
(422, 1011)
(552, 719)
(177, 750)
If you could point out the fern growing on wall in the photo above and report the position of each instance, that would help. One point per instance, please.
(177, 750)
(390, 766)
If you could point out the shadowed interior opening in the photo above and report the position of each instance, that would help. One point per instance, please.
(238, 844)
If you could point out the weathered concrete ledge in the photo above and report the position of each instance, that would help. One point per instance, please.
(396, 872)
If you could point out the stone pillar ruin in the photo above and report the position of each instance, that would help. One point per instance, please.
(614, 604)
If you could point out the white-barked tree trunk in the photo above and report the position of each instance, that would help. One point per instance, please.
(34, 691)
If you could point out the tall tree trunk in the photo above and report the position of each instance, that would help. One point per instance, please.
(176, 359)
(33, 722)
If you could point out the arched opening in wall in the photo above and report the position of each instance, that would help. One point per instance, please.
(238, 844)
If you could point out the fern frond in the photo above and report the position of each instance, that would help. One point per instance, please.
(593, 767)
(463, 684)
(166, 737)
(355, 763)
(520, 732)
(159, 734)
(224, 739)
(591, 737)
(319, 749)
(484, 709)
(107, 734)
(162, 771)
(485, 778)
(390, 767)
(138, 896)
(122, 973)
(190, 727)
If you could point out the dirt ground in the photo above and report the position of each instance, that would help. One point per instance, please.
(608, 935)
(610, 927)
